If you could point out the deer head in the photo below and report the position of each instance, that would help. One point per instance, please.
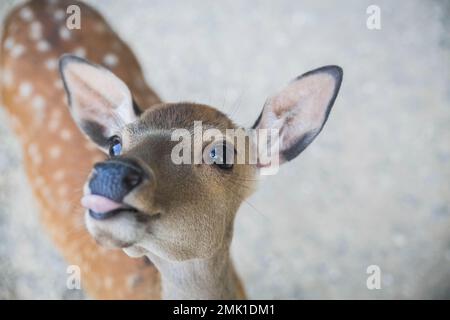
(139, 199)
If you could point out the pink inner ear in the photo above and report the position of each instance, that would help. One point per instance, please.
(304, 102)
(300, 110)
(97, 94)
(301, 106)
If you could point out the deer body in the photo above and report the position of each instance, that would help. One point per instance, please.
(178, 215)
(57, 157)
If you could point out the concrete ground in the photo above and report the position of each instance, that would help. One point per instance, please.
(373, 189)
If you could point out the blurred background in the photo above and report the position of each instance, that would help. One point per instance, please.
(373, 189)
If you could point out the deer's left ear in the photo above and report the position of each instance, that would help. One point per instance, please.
(300, 110)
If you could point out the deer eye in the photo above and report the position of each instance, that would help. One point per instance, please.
(221, 156)
(115, 146)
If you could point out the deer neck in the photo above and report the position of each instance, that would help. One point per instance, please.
(210, 278)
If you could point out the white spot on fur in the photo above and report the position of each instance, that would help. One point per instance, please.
(43, 46)
(9, 43)
(53, 125)
(46, 192)
(38, 103)
(58, 84)
(26, 14)
(111, 60)
(59, 175)
(64, 33)
(15, 122)
(17, 50)
(39, 182)
(54, 120)
(65, 100)
(51, 64)
(80, 52)
(108, 282)
(33, 152)
(7, 77)
(65, 207)
(55, 152)
(25, 89)
(33, 149)
(62, 191)
(66, 134)
(36, 30)
(59, 14)
(56, 113)
(37, 159)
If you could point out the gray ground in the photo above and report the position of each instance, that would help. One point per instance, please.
(372, 189)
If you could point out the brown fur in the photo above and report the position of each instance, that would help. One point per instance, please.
(63, 216)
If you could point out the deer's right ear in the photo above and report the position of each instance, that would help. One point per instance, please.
(100, 103)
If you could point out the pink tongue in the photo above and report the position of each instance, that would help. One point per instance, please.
(99, 204)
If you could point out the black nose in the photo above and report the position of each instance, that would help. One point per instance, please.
(115, 178)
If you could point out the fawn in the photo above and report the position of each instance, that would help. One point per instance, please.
(179, 216)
